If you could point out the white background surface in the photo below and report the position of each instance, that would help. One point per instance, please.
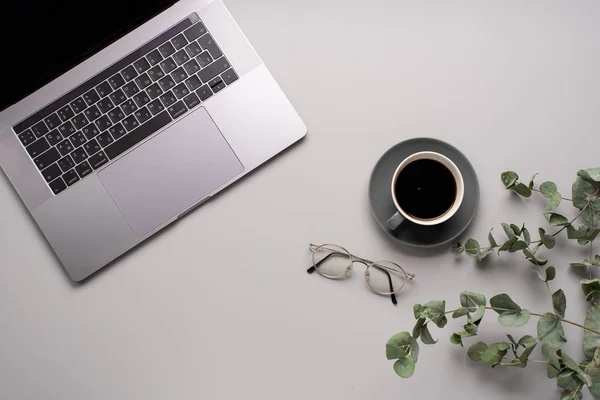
(219, 306)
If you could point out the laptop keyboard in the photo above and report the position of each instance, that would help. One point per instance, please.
(126, 103)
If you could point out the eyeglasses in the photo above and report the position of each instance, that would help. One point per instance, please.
(335, 262)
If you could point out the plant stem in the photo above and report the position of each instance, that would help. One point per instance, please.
(587, 328)
(539, 191)
(570, 223)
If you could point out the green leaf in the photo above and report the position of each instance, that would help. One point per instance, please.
(483, 254)
(583, 264)
(555, 219)
(510, 315)
(399, 345)
(595, 203)
(517, 246)
(591, 289)
(508, 230)
(508, 244)
(532, 181)
(533, 259)
(596, 261)
(549, 354)
(494, 353)
(568, 380)
(584, 234)
(456, 338)
(594, 374)
(505, 302)
(529, 346)
(559, 302)
(418, 328)
(550, 330)
(580, 191)
(573, 366)
(551, 273)
(547, 188)
(426, 336)
(525, 339)
(458, 247)
(478, 314)
(472, 247)
(476, 350)
(492, 240)
(509, 178)
(517, 231)
(471, 329)
(512, 339)
(547, 240)
(526, 236)
(591, 340)
(405, 366)
(418, 310)
(436, 313)
(461, 312)
(546, 274)
(591, 175)
(472, 299)
(554, 201)
(522, 190)
(590, 217)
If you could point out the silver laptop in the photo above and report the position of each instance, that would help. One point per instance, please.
(118, 118)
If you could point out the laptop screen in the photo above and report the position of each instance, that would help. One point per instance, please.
(42, 39)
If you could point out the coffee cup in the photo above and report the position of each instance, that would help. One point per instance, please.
(427, 189)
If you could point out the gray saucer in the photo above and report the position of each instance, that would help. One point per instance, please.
(408, 233)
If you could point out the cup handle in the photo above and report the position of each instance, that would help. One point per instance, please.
(395, 221)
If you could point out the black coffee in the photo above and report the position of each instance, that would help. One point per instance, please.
(425, 189)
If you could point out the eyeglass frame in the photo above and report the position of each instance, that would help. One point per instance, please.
(367, 263)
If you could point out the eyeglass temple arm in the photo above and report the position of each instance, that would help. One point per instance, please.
(393, 296)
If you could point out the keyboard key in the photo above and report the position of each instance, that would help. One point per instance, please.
(155, 73)
(208, 43)
(166, 49)
(70, 177)
(143, 81)
(78, 105)
(79, 155)
(177, 109)
(92, 147)
(130, 89)
(193, 83)
(83, 169)
(103, 89)
(193, 49)
(204, 92)
(204, 59)
(229, 76)
(65, 147)
(141, 99)
(191, 101)
(179, 75)
(195, 31)
(66, 163)
(105, 105)
(168, 98)
(53, 137)
(91, 97)
(47, 158)
(141, 65)
(130, 123)
(181, 91)
(52, 121)
(118, 97)
(103, 123)
(117, 131)
(116, 81)
(166, 83)
(98, 160)
(139, 134)
(129, 73)
(214, 69)
(128, 107)
(179, 42)
(181, 57)
(40, 129)
(27, 137)
(90, 131)
(92, 113)
(51, 173)
(217, 85)
(155, 107)
(143, 115)
(154, 57)
(78, 139)
(38, 147)
(168, 65)
(116, 115)
(66, 113)
(79, 121)
(105, 139)
(191, 67)
(154, 91)
(57, 186)
(67, 129)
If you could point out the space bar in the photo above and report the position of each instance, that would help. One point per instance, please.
(138, 134)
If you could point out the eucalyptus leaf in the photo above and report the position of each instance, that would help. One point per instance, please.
(572, 394)
(549, 354)
(476, 350)
(478, 314)
(472, 247)
(555, 219)
(595, 203)
(458, 247)
(436, 314)
(591, 340)
(584, 234)
(426, 337)
(505, 303)
(559, 302)
(494, 353)
(526, 339)
(514, 362)
(591, 175)
(568, 380)
(594, 374)
(533, 259)
(405, 366)
(522, 190)
(532, 181)
(483, 254)
(509, 178)
(514, 319)
(517, 246)
(573, 366)
(471, 329)
(580, 192)
(508, 244)
(529, 347)
(418, 328)
(509, 232)
(547, 240)
(418, 311)
(551, 273)
(550, 191)
(491, 239)
(583, 264)
(550, 330)
(457, 337)
(461, 312)
(472, 299)
(399, 345)
(591, 289)
(590, 217)
(526, 236)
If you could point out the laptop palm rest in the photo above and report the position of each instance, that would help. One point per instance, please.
(171, 172)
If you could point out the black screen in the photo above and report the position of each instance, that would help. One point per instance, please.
(43, 39)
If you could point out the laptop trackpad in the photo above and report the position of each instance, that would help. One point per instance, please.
(171, 172)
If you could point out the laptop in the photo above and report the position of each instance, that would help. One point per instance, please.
(120, 117)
